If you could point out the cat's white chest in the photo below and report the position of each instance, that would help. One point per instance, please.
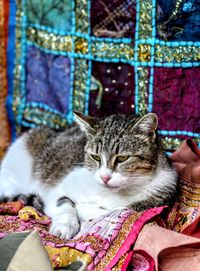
(91, 198)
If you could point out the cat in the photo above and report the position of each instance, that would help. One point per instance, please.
(99, 165)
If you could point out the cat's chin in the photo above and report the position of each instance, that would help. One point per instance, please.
(112, 187)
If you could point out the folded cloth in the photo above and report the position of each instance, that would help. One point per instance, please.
(184, 217)
(187, 161)
(169, 249)
(11, 208)
(186, 210)
(23, 251)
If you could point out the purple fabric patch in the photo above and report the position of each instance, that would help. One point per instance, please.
(48, 79)
(117, 81)
(177, 98)
(113, 18)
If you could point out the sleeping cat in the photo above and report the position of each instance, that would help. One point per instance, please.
(90, 169)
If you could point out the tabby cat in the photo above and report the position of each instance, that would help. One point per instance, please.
(90, 169)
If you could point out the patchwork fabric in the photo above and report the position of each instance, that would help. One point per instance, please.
(101, 57)
(103, 243)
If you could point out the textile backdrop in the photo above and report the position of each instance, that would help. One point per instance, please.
(100, 57)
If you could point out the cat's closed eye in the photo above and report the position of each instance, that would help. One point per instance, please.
(121, 159)
(96, 157)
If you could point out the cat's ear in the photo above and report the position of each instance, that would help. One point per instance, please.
(86, 123)
(148, 124)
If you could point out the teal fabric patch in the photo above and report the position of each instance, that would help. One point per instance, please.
(49, 13)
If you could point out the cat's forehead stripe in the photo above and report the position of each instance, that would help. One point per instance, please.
(99, 145)
(110, 123)
(104, 160)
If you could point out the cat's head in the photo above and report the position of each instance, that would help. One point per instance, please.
(121, 150)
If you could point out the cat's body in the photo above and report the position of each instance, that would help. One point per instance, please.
(83, 173)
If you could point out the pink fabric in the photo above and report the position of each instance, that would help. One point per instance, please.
(187, 161)
(130, 240)
(142, 261)
(11, 208)
(138, 260)
(127, 261)
(193, 229)
(179, 258)
(155, 240)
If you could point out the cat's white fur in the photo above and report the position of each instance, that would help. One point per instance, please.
(86, 189)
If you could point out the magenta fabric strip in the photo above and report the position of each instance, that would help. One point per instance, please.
(129, 241)
(127, 261)
(147, 264)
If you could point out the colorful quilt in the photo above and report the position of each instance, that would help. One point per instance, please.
(101, 57)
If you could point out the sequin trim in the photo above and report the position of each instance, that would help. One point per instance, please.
(35, 115)
(187, 207)
(82, 22)
(80, 83)
(177, 54)
(49, 41)
(143, 92)
(143, 54)
(145, 19)
(190, 193)
(63, 256)
(171, 144)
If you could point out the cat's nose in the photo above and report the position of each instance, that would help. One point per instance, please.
(105, 178)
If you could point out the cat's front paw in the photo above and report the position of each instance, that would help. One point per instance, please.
(63, 228)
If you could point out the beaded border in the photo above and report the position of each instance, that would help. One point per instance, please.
(82, 67)
(19, 70)
(167, 54)
(171, 144)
